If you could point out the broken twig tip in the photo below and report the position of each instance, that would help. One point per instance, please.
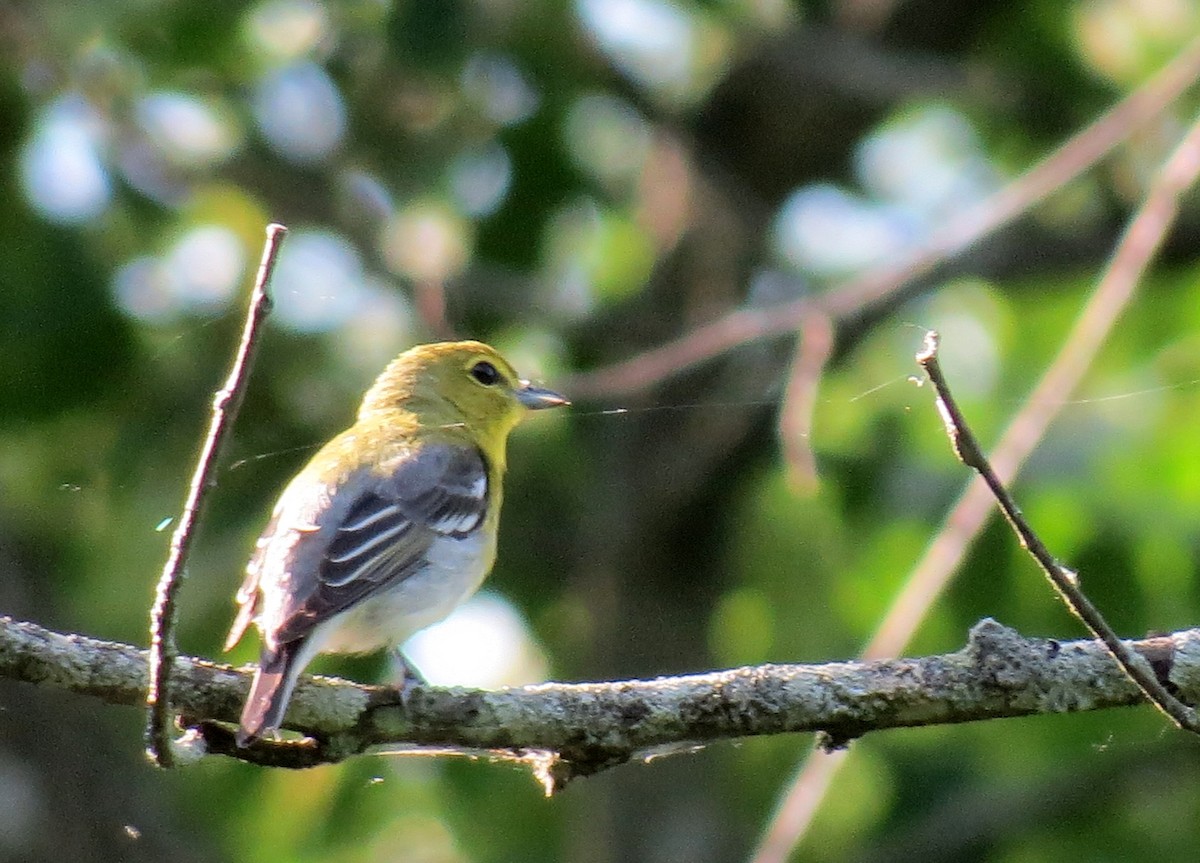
(929, 351)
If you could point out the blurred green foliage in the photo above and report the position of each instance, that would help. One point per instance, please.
(577, 182)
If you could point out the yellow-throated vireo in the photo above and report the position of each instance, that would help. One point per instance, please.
(390, 526)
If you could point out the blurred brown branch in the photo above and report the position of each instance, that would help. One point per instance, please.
(800, 402)
(888, 283)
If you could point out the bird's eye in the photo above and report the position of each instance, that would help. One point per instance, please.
(485, 373)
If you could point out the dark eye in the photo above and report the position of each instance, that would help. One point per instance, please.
(485, 373)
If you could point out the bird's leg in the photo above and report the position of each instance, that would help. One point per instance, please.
(408, 673)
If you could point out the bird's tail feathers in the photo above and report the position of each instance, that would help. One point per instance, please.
(270, 692)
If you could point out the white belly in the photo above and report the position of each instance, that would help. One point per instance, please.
(455, 569)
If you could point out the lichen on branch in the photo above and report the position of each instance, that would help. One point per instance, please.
(578, 729)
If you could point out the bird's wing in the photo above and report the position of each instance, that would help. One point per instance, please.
(366, 535)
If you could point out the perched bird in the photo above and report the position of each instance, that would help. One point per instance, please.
(390, 526)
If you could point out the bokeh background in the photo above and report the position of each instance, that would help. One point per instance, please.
(577, 182)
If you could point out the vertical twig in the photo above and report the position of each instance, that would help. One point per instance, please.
(225, 407)
(800, 401)
(430, 298)
(929, 577)
(1066, 582)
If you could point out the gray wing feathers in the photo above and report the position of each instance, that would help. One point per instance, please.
(369, 538)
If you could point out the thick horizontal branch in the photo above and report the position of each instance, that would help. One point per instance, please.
(582, 728)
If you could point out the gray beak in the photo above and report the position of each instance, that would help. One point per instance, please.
(536, 398)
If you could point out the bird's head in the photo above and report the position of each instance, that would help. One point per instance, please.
(457, 382)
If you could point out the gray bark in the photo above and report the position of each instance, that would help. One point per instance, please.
(565, 730)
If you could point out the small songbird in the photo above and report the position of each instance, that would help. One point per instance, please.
(390, 526)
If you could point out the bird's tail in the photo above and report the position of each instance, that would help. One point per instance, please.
(270, 691)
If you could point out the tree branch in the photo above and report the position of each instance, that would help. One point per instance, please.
(567, 730)
(1065, 581)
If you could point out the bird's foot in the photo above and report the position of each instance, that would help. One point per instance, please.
(410, 677)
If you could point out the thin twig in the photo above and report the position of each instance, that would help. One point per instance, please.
(944, 553)
(1066, 582)
(1133, 254)
(1075, 156)
(225, 408)
(800, 401)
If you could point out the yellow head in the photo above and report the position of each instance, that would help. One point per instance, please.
(455, 383)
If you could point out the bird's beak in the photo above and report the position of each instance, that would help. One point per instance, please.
(536, 398)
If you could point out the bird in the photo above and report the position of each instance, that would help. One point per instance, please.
(390, 526)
